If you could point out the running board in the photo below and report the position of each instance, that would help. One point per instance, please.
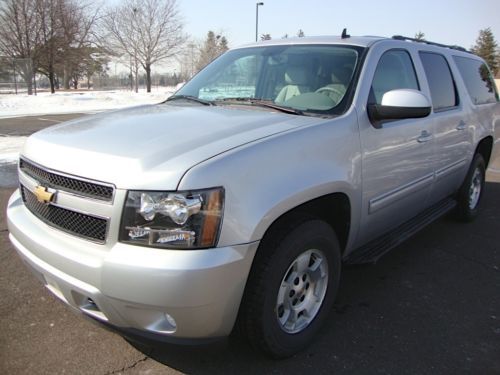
(372, 251)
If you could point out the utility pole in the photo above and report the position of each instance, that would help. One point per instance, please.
(257, 20)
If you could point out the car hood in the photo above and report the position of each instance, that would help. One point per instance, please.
(151, 147)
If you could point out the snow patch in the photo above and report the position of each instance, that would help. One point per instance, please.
(10, 148)
(77, 102)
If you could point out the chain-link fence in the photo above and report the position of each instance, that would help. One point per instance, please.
(16, 76)
(126, 81)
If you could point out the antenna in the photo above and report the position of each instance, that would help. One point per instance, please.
(344, 34)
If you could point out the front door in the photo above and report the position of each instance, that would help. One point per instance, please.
(397, 165)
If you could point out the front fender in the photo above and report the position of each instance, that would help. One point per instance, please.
(268, 177)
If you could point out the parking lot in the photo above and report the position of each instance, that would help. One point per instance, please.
(431, 306)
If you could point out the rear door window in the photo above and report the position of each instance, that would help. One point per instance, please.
(441, 84)
(477, 79)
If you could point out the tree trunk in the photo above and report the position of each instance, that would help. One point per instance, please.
(52, 82)
(148, 78)
(136, 79)
(66, 76)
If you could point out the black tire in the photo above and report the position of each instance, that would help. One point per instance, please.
(259, 312)
(469, 199)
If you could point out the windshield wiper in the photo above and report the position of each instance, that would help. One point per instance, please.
(263, 103)
(191, 98)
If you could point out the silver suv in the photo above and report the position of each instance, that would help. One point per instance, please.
(236, 201)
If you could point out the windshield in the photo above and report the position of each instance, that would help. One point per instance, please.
(315, 78)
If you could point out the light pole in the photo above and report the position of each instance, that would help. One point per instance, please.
(257, 20)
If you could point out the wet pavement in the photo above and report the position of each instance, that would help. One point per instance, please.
(431, 306)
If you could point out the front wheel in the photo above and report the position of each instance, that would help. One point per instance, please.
(291, 288)
(471, 191)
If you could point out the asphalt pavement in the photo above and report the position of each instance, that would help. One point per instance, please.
(431, 306)
(23, 126)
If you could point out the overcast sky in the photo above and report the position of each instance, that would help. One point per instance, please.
(450, 22)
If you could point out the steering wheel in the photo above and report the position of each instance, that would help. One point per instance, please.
(328, 90)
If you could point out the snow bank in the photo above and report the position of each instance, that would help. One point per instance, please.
(77, 102)
(9, 149)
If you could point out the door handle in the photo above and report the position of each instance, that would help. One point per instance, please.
(461, 126)
(425, 136)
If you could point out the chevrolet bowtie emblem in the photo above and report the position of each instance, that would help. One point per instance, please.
(42, 195)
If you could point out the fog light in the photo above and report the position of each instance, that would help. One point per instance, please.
(165, 324)
(171, 321)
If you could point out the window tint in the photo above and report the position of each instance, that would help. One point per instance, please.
(440, 81)
(477, 79)
(394, 71)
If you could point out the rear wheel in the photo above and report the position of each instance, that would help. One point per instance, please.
(471, 191)
(291, 289)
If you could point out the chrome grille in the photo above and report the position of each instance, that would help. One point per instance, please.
(69, 184)
(86, 226)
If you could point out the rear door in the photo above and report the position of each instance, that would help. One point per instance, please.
(452, 127)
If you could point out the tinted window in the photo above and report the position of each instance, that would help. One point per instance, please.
(477, 79)
(440, 81)
(394, 71)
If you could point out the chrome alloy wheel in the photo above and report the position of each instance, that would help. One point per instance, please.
(475, 188)
(302, 291)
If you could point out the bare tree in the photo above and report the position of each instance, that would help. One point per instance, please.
(19, 30)
(148, 31)
(78, 21)
(55, 35)
(51, 40)
(188, 59)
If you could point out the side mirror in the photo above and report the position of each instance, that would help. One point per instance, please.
(399, 104)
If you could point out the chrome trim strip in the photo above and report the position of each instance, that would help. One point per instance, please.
(78, 178)
(95, 208)
(390, 197)
(450, 168)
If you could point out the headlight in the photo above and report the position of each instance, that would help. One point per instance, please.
(175, 220)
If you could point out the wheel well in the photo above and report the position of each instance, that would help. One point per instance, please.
(484, 148)
(334, 209)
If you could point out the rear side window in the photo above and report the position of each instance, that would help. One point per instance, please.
(477, 79)
(394, 71)
(441, 84)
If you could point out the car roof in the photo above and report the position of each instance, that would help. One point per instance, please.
(361, 41)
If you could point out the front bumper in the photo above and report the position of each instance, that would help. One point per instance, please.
(132, 287)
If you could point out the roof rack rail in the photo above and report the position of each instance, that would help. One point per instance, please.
(458, 48)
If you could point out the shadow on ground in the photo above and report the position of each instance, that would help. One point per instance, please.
(430, 306)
